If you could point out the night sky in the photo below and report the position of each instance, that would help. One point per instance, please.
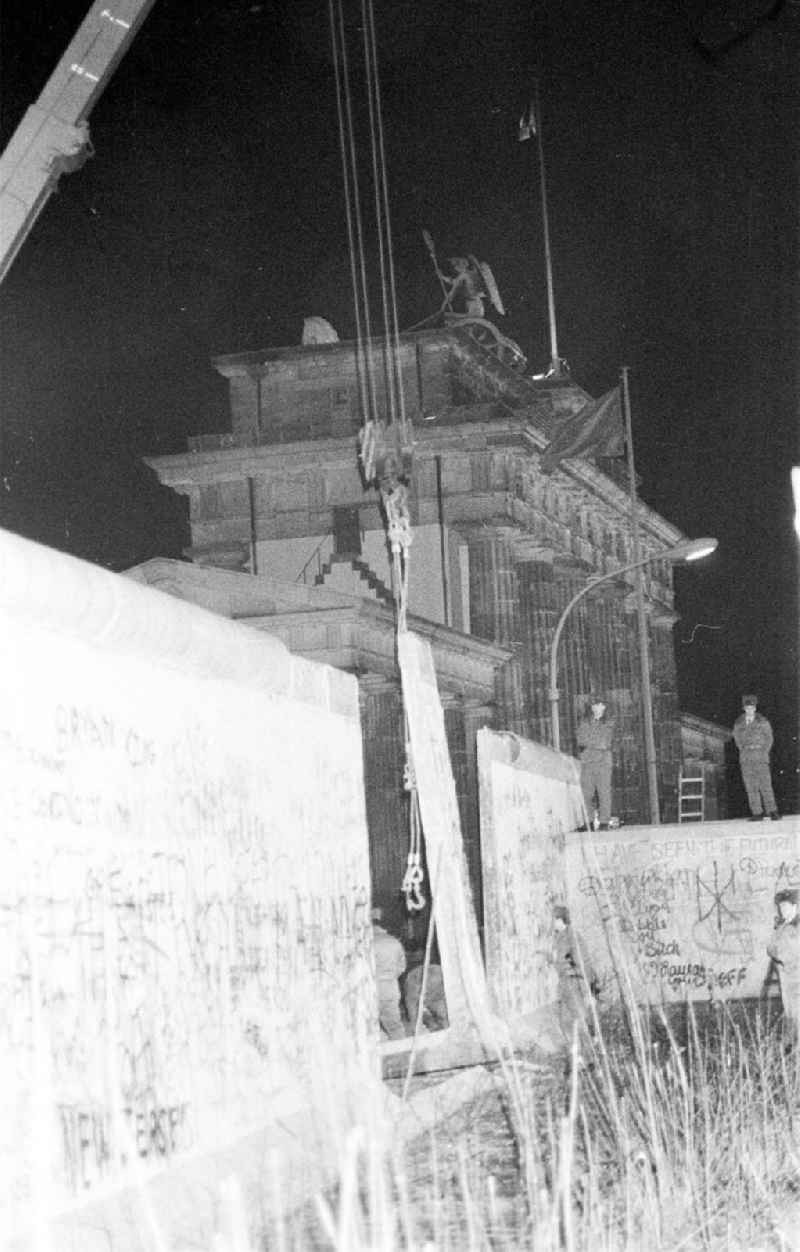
(211, 220)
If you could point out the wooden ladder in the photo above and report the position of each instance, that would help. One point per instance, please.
(691, 792)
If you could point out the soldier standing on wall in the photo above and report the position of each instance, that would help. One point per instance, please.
(595, 737)
(752, 734)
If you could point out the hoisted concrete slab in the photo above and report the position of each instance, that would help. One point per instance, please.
(474, 1031)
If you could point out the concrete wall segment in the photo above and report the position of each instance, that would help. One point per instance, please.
(184, 919)
(463, 661)
(682, 912)
(529, 798)
(668, 914)
(63, 594)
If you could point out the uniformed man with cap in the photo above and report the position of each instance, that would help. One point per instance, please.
(595, 739)
(752, 734)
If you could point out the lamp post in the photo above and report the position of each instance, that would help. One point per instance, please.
(688, 550)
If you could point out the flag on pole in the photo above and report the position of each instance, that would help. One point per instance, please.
(595, 430)
(527, 125)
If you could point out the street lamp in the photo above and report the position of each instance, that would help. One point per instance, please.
(688, 550)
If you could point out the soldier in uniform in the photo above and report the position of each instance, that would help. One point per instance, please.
(595, 737)
(752, 734)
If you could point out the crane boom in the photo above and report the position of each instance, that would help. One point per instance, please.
(53, 136)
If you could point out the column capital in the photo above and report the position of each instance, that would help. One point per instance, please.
(372, 683)
(650, 607)
(568, 565)
(225, 554)
(530, 548)
(664, 619)
(477, 708)
(450, 699)
(485, 532)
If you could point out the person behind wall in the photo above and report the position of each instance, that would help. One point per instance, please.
(434, 1009)
(785, 952)
(752, 735)
(577, 981)
(390, 965)
(595, 739)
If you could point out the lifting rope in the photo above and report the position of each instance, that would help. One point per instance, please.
(385, 447)
(414, 875)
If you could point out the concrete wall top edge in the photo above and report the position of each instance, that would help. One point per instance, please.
(533, 758)
(116, 614)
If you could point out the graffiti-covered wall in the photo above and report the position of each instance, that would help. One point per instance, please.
(685, 912)
(530, 797)
(184, 883)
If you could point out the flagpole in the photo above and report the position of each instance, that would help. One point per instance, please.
(555, 359)
(641, 615)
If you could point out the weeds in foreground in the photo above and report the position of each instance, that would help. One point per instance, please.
(671, 1132)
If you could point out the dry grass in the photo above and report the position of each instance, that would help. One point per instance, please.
(677, 1133)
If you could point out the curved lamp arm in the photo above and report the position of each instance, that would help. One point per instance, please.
(688, 550)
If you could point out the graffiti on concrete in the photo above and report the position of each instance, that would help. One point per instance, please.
(177, 924)
(683, 917)
(524, 814)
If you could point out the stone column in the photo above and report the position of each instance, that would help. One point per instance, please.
(636, 794)
(383, 744)
(494, 610)
(666, 712)
(474, 715)
(456, 743)
(578, 668)
(538, 614)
